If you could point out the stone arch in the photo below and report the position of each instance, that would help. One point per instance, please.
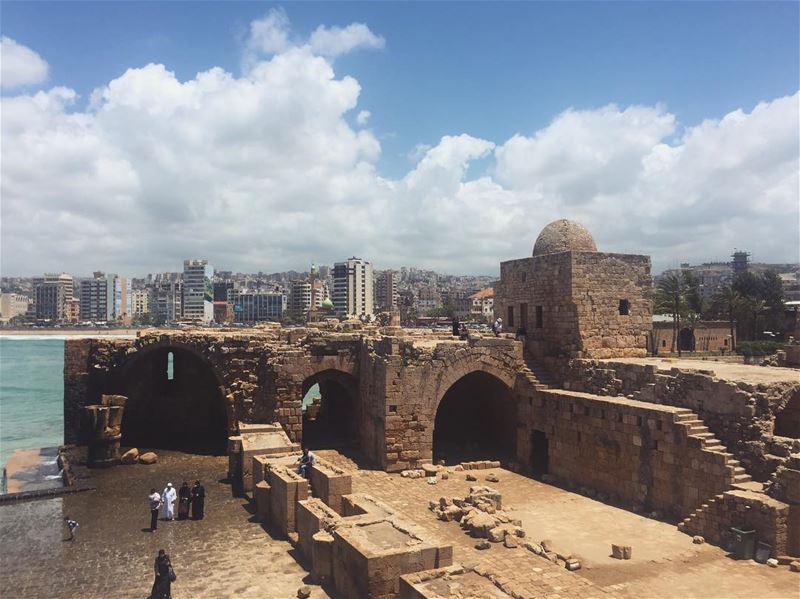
(475, 419)
(288, 384)
(461, 366)
(187, 412)
(334, 421)
(787, 420)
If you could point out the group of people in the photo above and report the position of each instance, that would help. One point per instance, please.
(193, 499)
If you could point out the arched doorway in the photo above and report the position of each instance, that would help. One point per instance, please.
(475, 420)
(174, 402)
(330, 417)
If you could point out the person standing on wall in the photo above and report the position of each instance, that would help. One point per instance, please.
(198, 500)
(154, 500)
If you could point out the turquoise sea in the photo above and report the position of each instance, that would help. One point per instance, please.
(31, 393)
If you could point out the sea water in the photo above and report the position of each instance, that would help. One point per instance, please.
(31, 393)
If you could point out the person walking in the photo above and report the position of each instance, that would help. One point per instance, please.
(198, 500)
(184, 499)
(165, 576)
(71, 525)
(154, 500)
(168, 498)
(456, 328)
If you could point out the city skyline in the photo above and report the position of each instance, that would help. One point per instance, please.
(301, 131)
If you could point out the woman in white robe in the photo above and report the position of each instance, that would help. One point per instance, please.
(168, 497)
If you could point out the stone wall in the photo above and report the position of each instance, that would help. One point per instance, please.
(742, 415)
(623, 450)
(578, 304)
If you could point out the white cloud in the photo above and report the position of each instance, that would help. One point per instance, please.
(272, 34)
(19, 65)
(363, 117)
(264, 172)
(335, 41)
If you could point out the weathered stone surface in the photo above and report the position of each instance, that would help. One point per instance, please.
(130, 456)
(621, 551)
(148, 458)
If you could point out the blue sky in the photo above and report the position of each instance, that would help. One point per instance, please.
(486, 70)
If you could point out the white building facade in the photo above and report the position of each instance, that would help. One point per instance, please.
(353, 288)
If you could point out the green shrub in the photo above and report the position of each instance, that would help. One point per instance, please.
(757, 348)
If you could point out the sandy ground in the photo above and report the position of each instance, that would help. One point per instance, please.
(229, 555)
(747, 373)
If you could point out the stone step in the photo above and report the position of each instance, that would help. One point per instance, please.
(694, 429)
(741, 478)
(707, 436)
(750, 486)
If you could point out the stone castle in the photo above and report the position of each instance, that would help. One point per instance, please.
(575, 402)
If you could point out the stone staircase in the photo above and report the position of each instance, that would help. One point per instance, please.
(697, 434)
(537, 375)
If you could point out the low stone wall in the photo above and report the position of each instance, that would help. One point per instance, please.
(630, 451)
(745, 510)
(741, 415)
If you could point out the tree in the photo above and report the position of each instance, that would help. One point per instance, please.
(727, 302)
(671, 298)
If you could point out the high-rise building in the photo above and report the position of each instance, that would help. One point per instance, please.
(352, 288)
(97, 298)
(741, 262)
(299, 297)
(51, 293)
(105, 298)
(198, 292)
(13, 305)
(167, 300)
(140, 302)
(386, 290)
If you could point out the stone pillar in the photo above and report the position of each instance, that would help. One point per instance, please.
(105, 428)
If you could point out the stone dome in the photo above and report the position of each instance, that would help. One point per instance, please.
(564, 236)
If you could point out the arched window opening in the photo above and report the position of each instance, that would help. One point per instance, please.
(476, 420)
(330, 410)
(184, 410)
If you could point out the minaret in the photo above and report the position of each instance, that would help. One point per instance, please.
(312, 309)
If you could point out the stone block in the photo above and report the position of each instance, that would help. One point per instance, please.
(262, 499)
(621, 551)
(322, 556)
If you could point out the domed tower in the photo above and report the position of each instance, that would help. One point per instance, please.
(564, 236)
(573, 301)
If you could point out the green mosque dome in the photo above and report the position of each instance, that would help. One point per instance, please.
(327, 303)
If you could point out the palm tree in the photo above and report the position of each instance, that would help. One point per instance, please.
(728, 301)
(671, 297)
